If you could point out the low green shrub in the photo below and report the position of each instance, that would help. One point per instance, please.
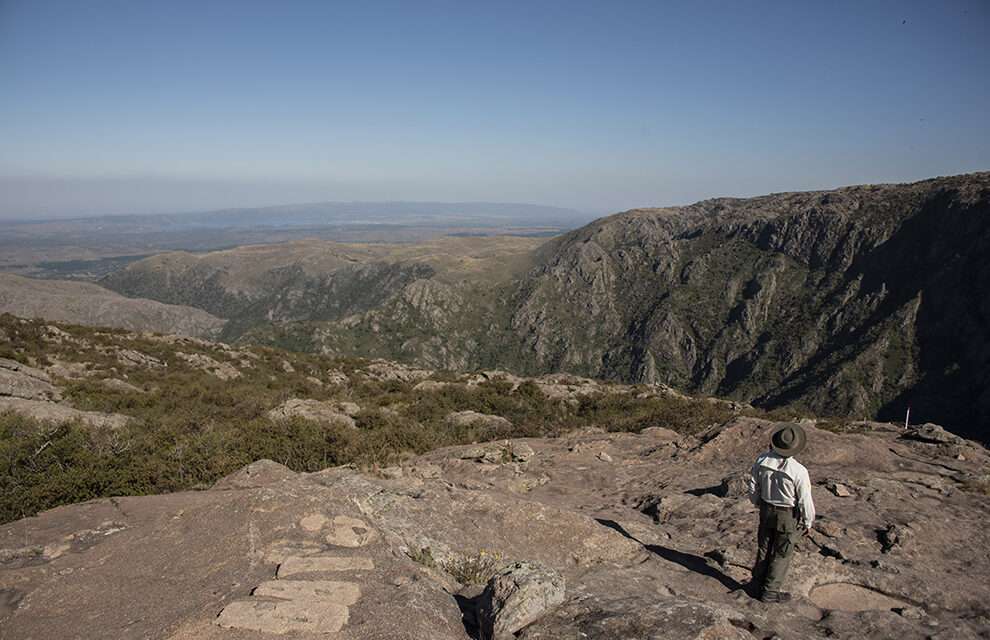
(422, 556)
(191, 428)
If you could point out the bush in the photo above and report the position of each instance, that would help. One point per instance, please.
(475, 570)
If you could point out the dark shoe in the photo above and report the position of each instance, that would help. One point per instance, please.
(775, 596)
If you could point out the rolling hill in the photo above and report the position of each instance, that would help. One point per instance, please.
(90, 304)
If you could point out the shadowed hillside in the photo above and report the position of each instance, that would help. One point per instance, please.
(855, 301)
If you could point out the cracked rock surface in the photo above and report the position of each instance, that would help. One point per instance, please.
(654, 542)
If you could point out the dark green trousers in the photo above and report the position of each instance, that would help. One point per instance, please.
(775, 546)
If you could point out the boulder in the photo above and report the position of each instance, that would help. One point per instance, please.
(931, 434)
(487, 454)
(516, 597)
(652, 506)
(385, 371)
(892, 536)
(56, 412)
(430, 386)
(21, 381)
(482, 377)
(910, 612)
(660, 507)
(838, 489)
(521, 452)
(498, 452)
(30, 392)
(259, 473)
(315, 410)
(473, 419)
(222, 370)
(133, 358)
(734, 485)
(829, 528)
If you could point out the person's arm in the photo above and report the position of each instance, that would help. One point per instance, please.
(806, 505)
(754, 485)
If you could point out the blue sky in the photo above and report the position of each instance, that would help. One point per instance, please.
(132, 106)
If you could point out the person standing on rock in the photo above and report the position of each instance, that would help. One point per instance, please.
(780, 486)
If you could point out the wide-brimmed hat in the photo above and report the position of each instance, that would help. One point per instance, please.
(788, 439)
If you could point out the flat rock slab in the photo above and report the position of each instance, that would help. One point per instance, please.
(21, 381)
(280, 550)
(284, 617)
(313, 522)
(295, 565)
(350, 532)
(852, 597)
(56, 412)
(165, 566)
(331, 591)
(596, 620)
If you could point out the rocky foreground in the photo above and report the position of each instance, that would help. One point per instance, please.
(593, 535)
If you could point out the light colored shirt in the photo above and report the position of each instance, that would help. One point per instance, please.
(783, 482)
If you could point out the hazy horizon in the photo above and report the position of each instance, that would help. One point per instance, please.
(111, 108)
(223, 202)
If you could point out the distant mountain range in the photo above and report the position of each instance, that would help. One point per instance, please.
(442, 213)
(317, 214)
(856, 301)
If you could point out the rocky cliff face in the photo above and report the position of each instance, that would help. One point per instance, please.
(855, 301)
